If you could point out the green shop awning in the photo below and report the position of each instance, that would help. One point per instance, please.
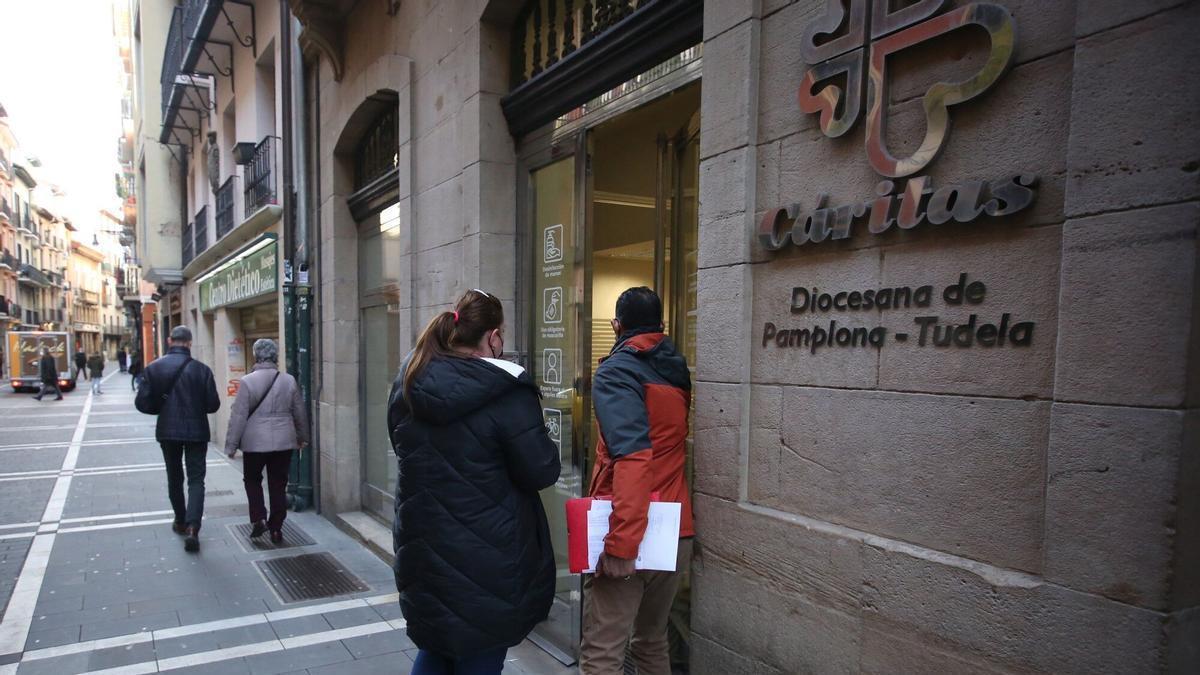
(248, 274)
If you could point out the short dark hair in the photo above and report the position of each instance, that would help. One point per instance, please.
(639, 307)
(181, 334)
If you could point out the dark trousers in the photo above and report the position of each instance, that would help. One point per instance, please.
(276, 463)
(483, 663)
(48, 387)
(194, 455)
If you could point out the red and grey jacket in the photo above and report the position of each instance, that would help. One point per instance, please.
(641, 392)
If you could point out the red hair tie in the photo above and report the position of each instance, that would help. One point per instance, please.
(456, 316)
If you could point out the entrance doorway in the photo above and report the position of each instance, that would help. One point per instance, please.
(608, 205)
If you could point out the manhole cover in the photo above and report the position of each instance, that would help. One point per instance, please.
(293, 537)
(218, 493)
(309, 577)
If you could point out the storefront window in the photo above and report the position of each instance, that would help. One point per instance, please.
(379, 274)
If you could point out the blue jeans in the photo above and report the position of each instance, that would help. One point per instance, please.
(483, 663)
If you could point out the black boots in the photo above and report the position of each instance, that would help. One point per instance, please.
(191, 542)
(259, 528)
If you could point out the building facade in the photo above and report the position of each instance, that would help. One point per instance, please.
(221, 114)
(88, 291)
(10, 304)
(945, 373)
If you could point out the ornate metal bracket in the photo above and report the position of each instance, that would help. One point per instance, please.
(224, 72)
(251, 39)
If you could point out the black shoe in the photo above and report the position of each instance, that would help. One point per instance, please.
(276, 536)
(259, 528)
(191, 543)
(58, 399)
(37, 398)
(178, 527)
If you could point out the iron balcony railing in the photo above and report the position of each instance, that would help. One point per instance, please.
(201, 230)
(172, 60)
(6, 210)
(189, 243)
(260, 177)
(7, 259)
(15, 310)
(225, 207)
(5, 305)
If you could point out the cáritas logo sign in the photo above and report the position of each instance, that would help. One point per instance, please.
(858, 57)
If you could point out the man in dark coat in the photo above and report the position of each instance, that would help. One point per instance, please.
(95, 366)
(135, 368)
(473, 442)
(122, 359)
(80, 363)
(182, 392)
(48, 370)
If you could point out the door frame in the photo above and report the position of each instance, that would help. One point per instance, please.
(538, 149)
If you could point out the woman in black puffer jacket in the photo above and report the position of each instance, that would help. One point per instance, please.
(474, 565)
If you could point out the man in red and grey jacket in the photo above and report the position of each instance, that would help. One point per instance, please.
(641, 392)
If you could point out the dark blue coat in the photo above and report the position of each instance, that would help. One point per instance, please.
(474, 562)
(183, 415)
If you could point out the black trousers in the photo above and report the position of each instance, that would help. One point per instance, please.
(277, 464)
(194, 455)
(48, 387)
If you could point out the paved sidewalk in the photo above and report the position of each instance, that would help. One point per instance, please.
(92, 579)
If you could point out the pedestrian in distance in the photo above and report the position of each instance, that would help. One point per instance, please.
(135, 369)
(641, 392)
(474, 563)
(95, 366)
(122, 359)
(48, 370)
(80, 363)
(267, 422)
(182, 393)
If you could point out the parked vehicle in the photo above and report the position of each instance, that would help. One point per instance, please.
(24, 351)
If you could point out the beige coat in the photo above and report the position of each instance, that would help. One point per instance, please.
(279, 423)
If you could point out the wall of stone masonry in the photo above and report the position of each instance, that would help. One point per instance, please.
(922, 509)
(445, 66)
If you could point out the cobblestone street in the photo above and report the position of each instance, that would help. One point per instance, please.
(93, 579)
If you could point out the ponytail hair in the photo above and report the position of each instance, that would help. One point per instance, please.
(474, 315)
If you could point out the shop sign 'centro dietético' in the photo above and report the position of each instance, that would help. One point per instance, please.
(247, 275)
(860, 58)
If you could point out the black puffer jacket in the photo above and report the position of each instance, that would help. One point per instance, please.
(183, 415)
(474, 563)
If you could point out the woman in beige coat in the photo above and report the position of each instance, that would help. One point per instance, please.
(268, 421)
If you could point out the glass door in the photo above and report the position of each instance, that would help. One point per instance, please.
(557, 301)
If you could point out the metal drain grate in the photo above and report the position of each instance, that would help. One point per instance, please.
(310, 576)
(218, 493)
(293, 537)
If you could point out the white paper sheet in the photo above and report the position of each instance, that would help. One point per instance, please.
(659, 546)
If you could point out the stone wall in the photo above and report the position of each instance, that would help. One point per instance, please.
(956, 509)
(445, 66)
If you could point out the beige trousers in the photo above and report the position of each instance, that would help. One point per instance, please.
(616, 611)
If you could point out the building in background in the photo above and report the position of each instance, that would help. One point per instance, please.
(227, 140)
(87, 287)
(158, 175)
(127, 274)
(10, 305)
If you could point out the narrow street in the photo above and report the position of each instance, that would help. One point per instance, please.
(95, 581)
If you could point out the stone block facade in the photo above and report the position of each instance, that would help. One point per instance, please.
(945, 500)
(967, 509)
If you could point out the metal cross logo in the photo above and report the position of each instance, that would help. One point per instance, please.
(891, 31)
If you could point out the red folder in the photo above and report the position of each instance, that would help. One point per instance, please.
(577, 531)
